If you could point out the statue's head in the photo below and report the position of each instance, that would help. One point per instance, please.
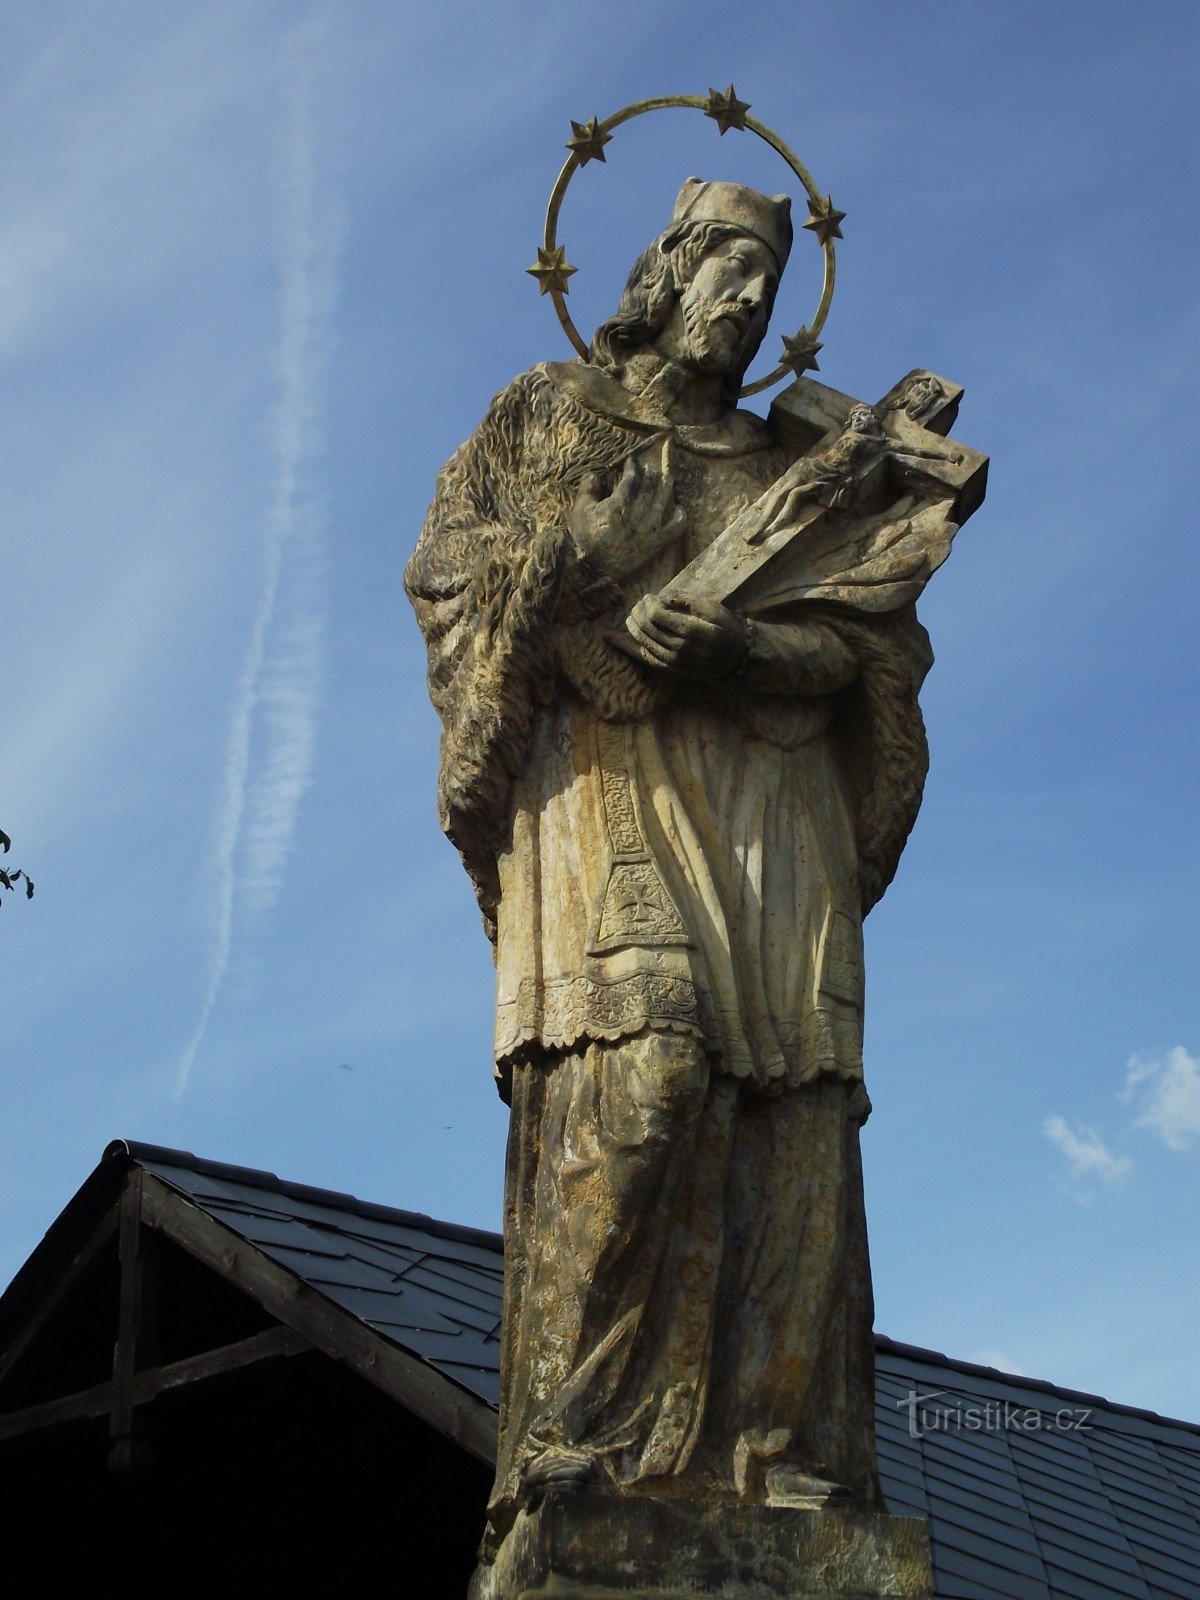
(862, 419)
(707, 282)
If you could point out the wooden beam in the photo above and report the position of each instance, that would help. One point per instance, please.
(95, 1402)
(273, 1344)
(409, 1380)
(61, 1287)
(270, 1345)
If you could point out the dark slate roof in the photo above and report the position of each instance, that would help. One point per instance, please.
(1021, 1506)
(429, 1286)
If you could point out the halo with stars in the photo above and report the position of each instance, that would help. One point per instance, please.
(587, 142)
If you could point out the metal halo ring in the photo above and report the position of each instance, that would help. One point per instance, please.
(817, 206)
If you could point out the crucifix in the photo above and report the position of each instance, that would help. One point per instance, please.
(865, 514)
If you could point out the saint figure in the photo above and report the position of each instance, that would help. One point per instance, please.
(675, 816)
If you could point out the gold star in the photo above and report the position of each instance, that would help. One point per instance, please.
(824, 219)
(800, 353)
(587, 141)
(726, 110)
(552, 269)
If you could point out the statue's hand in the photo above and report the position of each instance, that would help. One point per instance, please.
(620, 532)
(700, 638)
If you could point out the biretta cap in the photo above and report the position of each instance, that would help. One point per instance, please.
(766, 217)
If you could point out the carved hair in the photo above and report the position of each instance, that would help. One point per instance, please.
(654, 285)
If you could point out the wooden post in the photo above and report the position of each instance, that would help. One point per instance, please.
(136, 1345)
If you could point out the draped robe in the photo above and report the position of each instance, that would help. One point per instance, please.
(674, 872)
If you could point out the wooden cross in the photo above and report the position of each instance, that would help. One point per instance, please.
(863, 516)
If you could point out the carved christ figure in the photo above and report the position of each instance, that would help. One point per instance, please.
(831, 476)
(675, 816)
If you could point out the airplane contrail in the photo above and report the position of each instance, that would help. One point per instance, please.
(277, 700)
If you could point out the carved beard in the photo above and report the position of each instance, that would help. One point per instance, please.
(708, 327)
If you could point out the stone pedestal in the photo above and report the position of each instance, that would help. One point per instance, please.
(590, 1546)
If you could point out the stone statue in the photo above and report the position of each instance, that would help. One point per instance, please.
(676, 802)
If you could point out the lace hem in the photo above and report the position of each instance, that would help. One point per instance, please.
(569, 1011)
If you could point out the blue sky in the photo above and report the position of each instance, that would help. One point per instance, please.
(261, 269)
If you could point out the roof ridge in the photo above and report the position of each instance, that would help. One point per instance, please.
(141, 1153)
(1041, 1385)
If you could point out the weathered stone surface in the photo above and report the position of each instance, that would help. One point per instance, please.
(594, 1547)
(676, 658)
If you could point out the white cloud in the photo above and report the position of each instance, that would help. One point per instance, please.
(270, 750)
(1166, 1092)
(996, 1358)
(1086, 1151)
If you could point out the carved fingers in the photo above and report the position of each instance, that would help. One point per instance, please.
(627, 528)
(646, 490)
(701, 638)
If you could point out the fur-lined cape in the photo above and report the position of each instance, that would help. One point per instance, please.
(510, 616)
(486, 582)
